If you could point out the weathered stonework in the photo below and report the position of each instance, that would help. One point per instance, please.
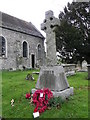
(52, 76)
(48, 26)
(14, 51)
(70, 69)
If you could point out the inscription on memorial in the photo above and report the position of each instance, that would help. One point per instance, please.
(47, 79)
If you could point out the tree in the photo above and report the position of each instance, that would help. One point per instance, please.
(73, 35)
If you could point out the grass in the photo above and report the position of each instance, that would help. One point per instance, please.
(15, 87)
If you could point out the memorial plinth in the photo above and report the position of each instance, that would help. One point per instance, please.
(53, 78)
(51, 75)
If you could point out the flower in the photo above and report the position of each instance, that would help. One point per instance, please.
(35, 110)
(28, 96)
(41, 101)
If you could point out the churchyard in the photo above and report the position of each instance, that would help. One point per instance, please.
(14, 86)
(51, 91)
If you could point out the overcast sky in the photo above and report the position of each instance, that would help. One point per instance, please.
(32, 10)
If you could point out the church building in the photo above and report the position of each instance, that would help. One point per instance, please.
(21, 44)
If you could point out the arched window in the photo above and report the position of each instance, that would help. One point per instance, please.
(25, 50)
(2, 46)
(39, 51)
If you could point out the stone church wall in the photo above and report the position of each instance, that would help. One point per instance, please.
(14, 56)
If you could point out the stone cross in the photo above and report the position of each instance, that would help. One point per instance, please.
(48, 26)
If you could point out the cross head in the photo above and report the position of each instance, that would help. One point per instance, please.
(50, 22)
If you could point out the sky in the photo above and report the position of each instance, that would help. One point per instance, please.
(32, 10)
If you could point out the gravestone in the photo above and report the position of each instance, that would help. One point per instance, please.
(69, 69)
(52, 76)
(84, 66)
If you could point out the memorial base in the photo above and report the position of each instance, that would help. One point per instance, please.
(63, 94)
(54, 78)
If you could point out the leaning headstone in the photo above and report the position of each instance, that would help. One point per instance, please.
(52, 76)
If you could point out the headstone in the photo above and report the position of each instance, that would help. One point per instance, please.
(84, 66)
(69, 69)
(20, 67)
(79, 66)
(52, 76)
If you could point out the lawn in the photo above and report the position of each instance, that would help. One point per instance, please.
(14, 86)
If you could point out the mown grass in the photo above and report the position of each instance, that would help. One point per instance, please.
(15, 87)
